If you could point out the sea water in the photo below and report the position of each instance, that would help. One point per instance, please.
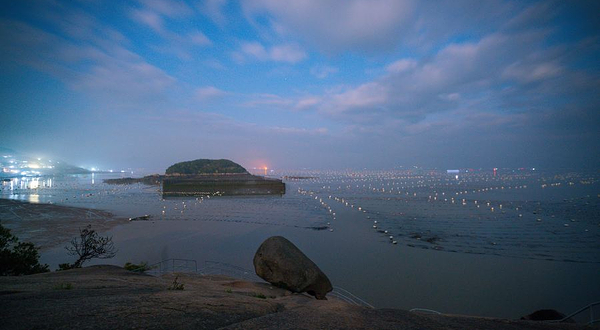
(479, 244)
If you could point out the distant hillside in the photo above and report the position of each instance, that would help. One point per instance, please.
(15, 164)
(206, 166)
(63, 168)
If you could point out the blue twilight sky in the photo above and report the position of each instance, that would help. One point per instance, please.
(303, 83)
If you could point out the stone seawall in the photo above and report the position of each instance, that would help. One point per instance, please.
(208, 184)
(227, 185)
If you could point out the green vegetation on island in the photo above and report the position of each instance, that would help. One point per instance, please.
(205, 166)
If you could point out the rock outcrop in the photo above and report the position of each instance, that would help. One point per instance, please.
(545, 315)
(279, 262)
(108, 297)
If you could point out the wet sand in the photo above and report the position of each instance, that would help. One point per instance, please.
(49, 225)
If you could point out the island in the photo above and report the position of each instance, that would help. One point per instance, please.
(208, 177)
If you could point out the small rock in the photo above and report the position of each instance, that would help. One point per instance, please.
(544, 315)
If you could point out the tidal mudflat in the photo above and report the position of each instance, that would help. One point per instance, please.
(478, 244)
(49, 225)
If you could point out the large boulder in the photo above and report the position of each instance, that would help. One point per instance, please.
(279, 262)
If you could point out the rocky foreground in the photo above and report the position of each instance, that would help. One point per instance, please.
(110, 297)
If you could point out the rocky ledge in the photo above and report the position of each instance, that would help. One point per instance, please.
(110, 297)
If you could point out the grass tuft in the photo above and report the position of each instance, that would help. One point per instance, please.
(176, 285)
(63, 286)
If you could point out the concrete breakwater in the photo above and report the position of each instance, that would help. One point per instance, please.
(241, 184)
(198, 185)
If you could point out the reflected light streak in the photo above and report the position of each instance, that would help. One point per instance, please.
(33, 198)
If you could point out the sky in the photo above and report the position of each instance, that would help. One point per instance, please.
(336, 84)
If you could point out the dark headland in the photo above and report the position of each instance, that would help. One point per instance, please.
(208, 176)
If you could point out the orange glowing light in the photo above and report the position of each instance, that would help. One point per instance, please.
(260, 166)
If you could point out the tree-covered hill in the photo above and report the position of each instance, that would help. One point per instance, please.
(206, 166)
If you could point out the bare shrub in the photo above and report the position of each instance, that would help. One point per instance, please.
(90, 245)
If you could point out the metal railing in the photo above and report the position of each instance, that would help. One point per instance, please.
(349, 297)
(221, 268)
(171, 266)
(424, 310)
(572, 316)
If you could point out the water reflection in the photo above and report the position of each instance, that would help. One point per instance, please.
(33, 198)
(27, 183)
(25, 188)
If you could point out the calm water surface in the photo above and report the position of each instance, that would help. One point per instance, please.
(478, 244)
